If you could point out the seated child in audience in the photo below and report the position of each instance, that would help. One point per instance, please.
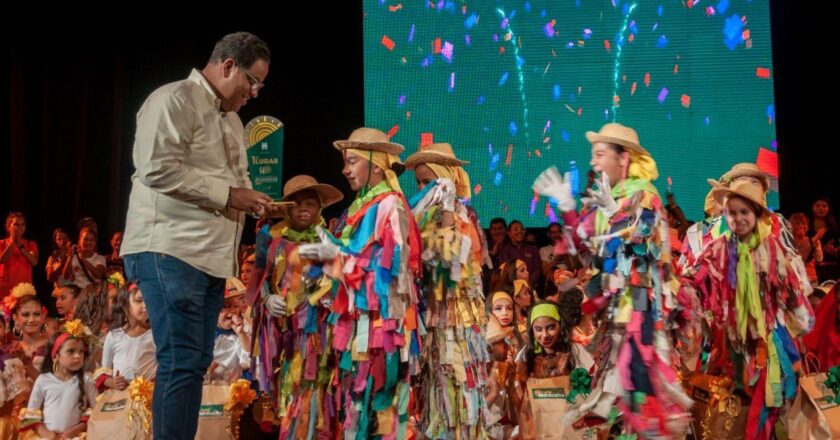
(129, 349)
(231, 353)
(63, 395)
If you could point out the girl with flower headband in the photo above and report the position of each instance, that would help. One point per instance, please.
(63, 395)
(129, 349)
(747, 293)
(22, 358)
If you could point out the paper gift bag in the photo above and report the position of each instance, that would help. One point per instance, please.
(109, 418)
(213, 421)
(821, 398)
(545, 403)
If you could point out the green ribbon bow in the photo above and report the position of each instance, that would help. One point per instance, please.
(833, 381)
(581, 384)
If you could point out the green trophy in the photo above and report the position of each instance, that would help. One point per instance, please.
(264, 137)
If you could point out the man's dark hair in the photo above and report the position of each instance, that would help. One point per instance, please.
(498, 220)
(245, 48)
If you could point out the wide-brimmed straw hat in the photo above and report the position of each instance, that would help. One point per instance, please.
(741, 188)
(615, 133)
(369, 139)
(746, 169)
(327, 193)
(440, 154)
(234, 287)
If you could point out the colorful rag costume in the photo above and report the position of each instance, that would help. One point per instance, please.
(454, 357)
(754, 308)
(375, 314)
(631, 263)
(294, 360)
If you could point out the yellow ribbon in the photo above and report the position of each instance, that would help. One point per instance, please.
(458, 176)
(382, 160)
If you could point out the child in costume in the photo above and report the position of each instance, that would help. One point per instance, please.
(753, 304)
(232, 348)
(549, 353)
(129, 349)
(375, 261)
(23, 356)
(454, 375)
(63, 394)
(295, 361)
(500, 418)
(631, 277)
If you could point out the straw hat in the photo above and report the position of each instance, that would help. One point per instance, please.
(746, 170)
(615, 133)
(327, 193)
(369, 139)
(440, 154)
(742, 188)
(234, 287)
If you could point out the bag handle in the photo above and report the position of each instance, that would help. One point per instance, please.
(810, 360)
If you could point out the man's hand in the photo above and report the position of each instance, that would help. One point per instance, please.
(248, 200)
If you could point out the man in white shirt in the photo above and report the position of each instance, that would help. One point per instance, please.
(189, 194)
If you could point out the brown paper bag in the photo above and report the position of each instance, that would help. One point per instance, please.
(213, 421)
(821, 399)
(108, 420)
(545, 403)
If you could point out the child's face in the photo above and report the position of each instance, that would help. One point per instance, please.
(499, 350)
(64, 301)
(523, 297)
(503, 311)
(245, 272)
(228, 315)
(305, 212)
(522, 272)
(112, 296)
(137, 308)
(71, 355)
(51, 326)
(29, 318)
(546, 332)
(740, 216)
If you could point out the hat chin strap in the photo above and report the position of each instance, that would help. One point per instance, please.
(366, 186)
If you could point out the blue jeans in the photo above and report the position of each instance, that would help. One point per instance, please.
(183, 304)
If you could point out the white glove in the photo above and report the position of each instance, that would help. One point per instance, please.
(444, 193)
(550, 183)
(275, 305)
(602, 197)
(324, 251)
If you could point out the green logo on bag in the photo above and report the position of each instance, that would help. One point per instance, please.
(119, 405)
(211, 411)
(549, 393)
(826, 402)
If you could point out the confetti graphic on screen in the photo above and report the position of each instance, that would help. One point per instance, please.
(515, 85)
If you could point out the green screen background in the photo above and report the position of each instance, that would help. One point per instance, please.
(524, 81)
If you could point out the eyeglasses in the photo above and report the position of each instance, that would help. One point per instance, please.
(256, 84)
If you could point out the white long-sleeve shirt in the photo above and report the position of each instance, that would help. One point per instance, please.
(131, 356)
(187, 155)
